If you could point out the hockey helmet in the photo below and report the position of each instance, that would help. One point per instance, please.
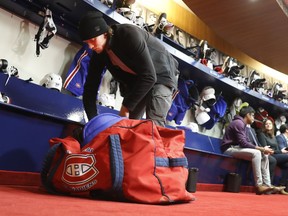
(201, 117)
(52, 81)
(208, 95)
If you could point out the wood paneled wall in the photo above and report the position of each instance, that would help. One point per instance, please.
(190, 23)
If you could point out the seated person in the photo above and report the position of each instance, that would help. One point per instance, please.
(282, 138)
(237, 144)
(266, 138)
(272, 161)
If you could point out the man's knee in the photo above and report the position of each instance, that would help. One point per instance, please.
(257, 153)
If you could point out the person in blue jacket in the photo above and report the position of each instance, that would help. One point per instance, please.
(282, 138)
(146, 71)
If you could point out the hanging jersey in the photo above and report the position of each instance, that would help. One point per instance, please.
(78, 71)
(185, 98)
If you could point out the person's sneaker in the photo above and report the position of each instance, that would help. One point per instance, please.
(277, 189)
(262, 189)
(283, 192)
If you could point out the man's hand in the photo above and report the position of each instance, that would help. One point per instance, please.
(268, 150)
(124, 112)
(265, 150)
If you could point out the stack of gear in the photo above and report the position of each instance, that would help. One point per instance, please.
(139, 21)
(11, 71)
(228, 63)
(186, 96)
(234, 72)
(163, 26)
(231, 69)
(78, 70)
(47, 26)
(123, 3)
(52, 81)
(241, 80)
(128, 13)
(4, 98)
(205, 54)
(261, 115)
(194, 48)
(218, 68)
(139, 16)
(109, 3)
(149, 27)
(278, 93)
(207, 100)
(210, 110)
(7, 69)
(123, 7)
(256, 83)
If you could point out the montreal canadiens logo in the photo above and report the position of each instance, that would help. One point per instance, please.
(79, 169)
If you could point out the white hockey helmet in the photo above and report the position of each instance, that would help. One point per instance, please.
(208, 93)
(52, 81)
(202, 117)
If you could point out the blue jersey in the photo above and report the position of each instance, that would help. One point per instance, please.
(183, 100)
(78, 71)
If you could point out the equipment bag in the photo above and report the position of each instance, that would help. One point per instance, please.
(132, 160)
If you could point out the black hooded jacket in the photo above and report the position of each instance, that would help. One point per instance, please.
(144, 62)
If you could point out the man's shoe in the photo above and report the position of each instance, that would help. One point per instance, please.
(262, 189)
(277, 189)
(283, 192)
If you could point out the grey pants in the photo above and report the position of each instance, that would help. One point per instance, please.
(260, 163)
(156, 104)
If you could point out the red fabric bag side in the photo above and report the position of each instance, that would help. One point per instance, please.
(81, 171)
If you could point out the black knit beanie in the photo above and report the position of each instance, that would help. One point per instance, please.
(245, 110)
(92, 25)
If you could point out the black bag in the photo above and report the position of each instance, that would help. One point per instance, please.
(233, 182)
(192, 180)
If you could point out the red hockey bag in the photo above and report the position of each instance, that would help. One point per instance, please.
(132, 160)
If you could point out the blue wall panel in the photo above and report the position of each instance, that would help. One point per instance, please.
(25, 139)
(41, 100)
